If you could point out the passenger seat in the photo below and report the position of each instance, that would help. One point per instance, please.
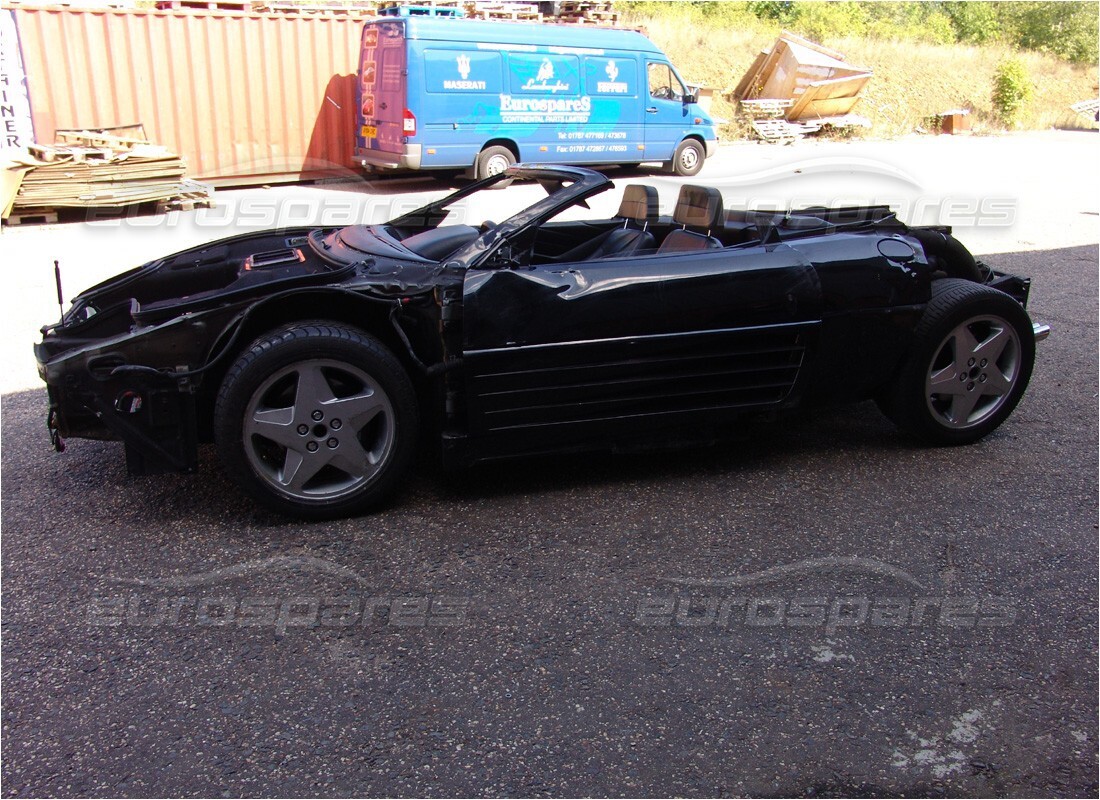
(698, 207)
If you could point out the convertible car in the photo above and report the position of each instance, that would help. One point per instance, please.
(317, 359)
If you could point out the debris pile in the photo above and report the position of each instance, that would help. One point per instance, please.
(87, 169)
(798, 87)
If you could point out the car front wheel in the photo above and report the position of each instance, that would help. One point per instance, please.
(971, 361)
(317, 420)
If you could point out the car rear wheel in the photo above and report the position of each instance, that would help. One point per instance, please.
(688, 158)
(972, 357)
(317, 420)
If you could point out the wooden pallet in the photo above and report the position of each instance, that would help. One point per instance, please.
(184, 204)
(613, 19)
(503, 11)
(319, 9)
(204, 5)
(31, 216)
(192, 195)
(584, 6)
(777, 130)
(766, 109)
(383, 4)
(510, 16)
(602, 14)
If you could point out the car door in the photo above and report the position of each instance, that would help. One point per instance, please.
(564, 355)
(665, 112)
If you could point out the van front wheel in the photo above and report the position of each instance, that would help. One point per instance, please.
(688, 158)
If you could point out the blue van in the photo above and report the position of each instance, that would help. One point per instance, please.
(445, 93)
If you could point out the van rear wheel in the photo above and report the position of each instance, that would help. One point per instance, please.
(493, 161)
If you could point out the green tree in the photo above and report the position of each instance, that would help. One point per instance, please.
(974, 22)
(1068, 30)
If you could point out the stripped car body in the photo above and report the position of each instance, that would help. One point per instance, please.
(532, 336)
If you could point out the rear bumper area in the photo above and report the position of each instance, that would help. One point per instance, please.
(410, 157)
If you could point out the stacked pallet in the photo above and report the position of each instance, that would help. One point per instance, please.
(517, 12)
(88, 169)
(204, 5)
(316, 9)
(420, 7)
(587, 12)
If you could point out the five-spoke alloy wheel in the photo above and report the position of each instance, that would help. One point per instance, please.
(316, 420)
(971, 360)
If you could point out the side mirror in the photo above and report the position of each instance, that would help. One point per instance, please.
(690, 98)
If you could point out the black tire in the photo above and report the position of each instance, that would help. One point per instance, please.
(688, 158)
(317, 420)
(962, 321)
(492, 161)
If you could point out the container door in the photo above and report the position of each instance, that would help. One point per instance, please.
(382, 80)
(665, 112)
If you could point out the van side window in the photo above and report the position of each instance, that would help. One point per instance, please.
(663, 83)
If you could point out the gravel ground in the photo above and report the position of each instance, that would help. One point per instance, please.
(820, 609)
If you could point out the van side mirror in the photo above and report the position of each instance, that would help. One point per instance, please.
(690, 98)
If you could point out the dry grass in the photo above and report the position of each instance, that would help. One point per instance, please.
(912, 80)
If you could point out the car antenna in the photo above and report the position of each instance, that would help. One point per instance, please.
(57, 280)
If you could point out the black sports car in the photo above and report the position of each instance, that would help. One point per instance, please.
(316, 359)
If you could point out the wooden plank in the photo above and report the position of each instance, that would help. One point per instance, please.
(828, 98)
(745, 85)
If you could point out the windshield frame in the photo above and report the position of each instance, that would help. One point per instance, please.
(565, 186)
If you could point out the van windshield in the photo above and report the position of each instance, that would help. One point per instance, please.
(663, 83)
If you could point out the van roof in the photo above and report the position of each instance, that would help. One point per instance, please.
(523, 33)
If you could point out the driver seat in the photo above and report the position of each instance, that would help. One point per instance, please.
(640, 204)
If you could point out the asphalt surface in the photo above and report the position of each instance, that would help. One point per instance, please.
(820, 609)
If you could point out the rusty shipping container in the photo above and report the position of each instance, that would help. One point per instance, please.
(244, 97)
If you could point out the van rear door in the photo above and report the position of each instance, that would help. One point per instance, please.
(382, 81)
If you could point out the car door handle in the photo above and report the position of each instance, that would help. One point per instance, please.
(651, 110)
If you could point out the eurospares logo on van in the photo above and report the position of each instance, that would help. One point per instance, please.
(544, 109)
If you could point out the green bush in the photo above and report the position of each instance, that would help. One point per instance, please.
(1012, 91)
